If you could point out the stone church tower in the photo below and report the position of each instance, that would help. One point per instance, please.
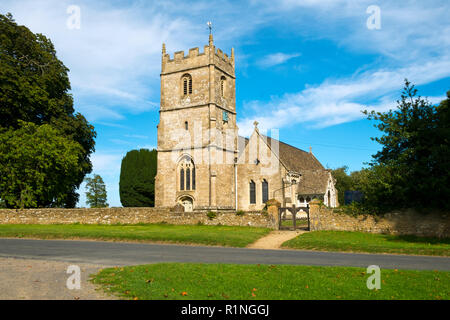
(197, 132)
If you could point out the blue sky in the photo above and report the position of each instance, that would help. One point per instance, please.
(307, 67)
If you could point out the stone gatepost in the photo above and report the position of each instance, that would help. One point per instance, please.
(314, 215)
(272, 209)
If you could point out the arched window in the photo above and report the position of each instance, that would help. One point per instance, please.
(186, 125)
(308, 199)
(265, 191)
(182, 179)
(252, 192)
(188, 179)
(223, 83)
(186, 169)
(186, 82)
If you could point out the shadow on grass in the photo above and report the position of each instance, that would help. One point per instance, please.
(417, 239)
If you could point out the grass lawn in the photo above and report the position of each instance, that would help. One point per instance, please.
(369, 242)
(205, 235)
(171, 281)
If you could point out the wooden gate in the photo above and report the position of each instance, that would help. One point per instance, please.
(293, 218)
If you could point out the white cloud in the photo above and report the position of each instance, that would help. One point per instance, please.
(410, 29)
(115, 57)
(96, 112)
(105, 164)
(120, 142)
(276, 59)
(136, 136)
(338, 101)
(413, 43)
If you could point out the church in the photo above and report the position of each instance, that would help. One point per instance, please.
(203, 163)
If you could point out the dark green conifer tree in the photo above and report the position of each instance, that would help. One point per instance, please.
(137, 178)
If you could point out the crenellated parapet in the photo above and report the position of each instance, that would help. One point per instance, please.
(223, 56)
(196, 59)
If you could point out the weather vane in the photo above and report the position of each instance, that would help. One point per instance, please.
(209, 23)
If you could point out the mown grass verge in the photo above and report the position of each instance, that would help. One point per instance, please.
(189, 234)
(369, 242)
(181, 281)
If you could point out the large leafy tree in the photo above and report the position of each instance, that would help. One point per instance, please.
(37, 166)
(34, 88)
(96, 192)
(411, 170)
(137, 178)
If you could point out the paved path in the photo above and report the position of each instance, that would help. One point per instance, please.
(275, 239)
(31, 279)
(119, 254)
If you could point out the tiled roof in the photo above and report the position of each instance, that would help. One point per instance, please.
(293, 158)
(313, 182)
(242, 143)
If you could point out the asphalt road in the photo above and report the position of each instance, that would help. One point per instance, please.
(120, 254)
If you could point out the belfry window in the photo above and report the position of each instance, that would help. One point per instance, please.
(186, 82)
(223, 82)
(225, 116)
(186, 169)
(252, 192)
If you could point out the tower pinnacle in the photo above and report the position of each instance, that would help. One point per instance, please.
(211, 40)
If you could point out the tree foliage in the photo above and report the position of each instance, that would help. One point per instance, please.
(411, 170)
(344, 182)
(34, 89)
(137, 178)
(37, 166)
(96, 196)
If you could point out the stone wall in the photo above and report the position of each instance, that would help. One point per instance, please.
(400, 223)
(130, 216)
